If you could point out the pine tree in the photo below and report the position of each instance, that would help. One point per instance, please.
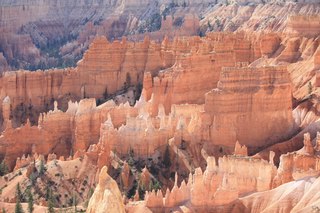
(18, 208)
(30, 201)
(19, 195)
(42, 168)
(50, 206)
(3, 168)
(48, 192)
(50, 203)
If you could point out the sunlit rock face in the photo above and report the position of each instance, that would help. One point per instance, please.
(107, 196)
(252, 105)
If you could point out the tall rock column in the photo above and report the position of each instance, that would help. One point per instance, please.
(6, 110)
(107, 196)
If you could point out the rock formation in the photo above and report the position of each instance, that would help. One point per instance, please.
(167, 105)
(107, 196)
(217, 185)
(192, 124)
(235, 177)
(245, 97)
(303, 25)
(300, 196)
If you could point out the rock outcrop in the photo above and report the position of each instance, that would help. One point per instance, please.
(300, 164)
(148, 122)
(107, 196)
(300, 196)
(217, 185)
(251, 105)
(106, 68)
(201, 98)
(303, 25)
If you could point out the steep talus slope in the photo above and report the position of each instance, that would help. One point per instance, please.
(249, 16)
(298, 196)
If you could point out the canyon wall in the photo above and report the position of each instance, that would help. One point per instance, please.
(303, 25)
(176, 76)
(251, 105)
(204, 58)
(106, 68)
(228, 184)
(44, 34)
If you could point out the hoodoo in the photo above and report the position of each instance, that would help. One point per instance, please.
(159, 106)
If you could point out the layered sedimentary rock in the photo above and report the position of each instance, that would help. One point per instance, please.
(224, 186)
(67, 27)
(145, 134)
(148, 121)
(300, 164)
(201, 97)
(228, 184)
(267, 16)
(303, 25)
(204, 59)
(300, 196)
(71, 26)
(52, 135)
(60, 132)
(244, 98)
(105, 69)
(217, 185)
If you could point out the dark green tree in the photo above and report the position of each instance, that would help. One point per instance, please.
(50, 207)
(18, 208)
(19, 195)
(48, 192)
(42, 168)
(30, 201)
(3, 168)
(154, 185)
(50, 202)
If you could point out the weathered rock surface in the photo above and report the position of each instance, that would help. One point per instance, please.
(107, 196)
(202, 98)
(245, 97)
(296, 196)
